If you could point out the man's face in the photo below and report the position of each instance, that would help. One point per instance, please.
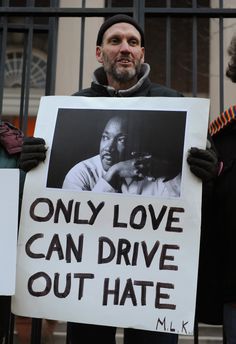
(121, 53)
(113, 142)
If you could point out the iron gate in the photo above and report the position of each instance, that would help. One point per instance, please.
(30, 18)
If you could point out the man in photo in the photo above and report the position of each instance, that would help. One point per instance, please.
(117, 168)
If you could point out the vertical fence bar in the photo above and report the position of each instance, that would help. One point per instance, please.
(221, 47)
(195, 332)
(36, 326)
(221, 71)
(27, 76)
(36, 329)
(81, 64)
(27, 57)
(139, 12)
(3, 45)
(52, 52)
(10, 335)
(194, 52)
(168, 46)
(22, 96)
(194, 92)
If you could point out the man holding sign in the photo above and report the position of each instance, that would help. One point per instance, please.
(120, 50)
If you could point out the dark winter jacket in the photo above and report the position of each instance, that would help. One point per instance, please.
(143, 88)
(217, 284)
(225, 200)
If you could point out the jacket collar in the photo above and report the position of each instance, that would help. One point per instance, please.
(224, 119)
(99, 78)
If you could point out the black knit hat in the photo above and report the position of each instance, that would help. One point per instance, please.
(119, 18)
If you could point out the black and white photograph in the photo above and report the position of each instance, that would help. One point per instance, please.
(138, 152)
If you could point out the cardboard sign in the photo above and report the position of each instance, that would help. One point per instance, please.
(9, 196)
(92, 252)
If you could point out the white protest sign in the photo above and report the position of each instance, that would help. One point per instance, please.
(9, 186)
(119, 259)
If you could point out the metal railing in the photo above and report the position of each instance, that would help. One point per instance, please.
(34, 19)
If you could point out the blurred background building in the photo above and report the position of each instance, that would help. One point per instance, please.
(48, 47)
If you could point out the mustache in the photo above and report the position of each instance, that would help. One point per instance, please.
(107, 155)
(124, 57)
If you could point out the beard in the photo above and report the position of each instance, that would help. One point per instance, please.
(121, 74)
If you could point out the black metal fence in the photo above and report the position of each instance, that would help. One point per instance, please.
(32, 19)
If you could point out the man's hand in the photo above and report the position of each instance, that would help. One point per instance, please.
(153, 168)
(148, 166)
(203, 163)
(33, 151)
(134, 168)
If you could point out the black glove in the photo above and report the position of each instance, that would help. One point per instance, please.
(33, 151)
(203, 163)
